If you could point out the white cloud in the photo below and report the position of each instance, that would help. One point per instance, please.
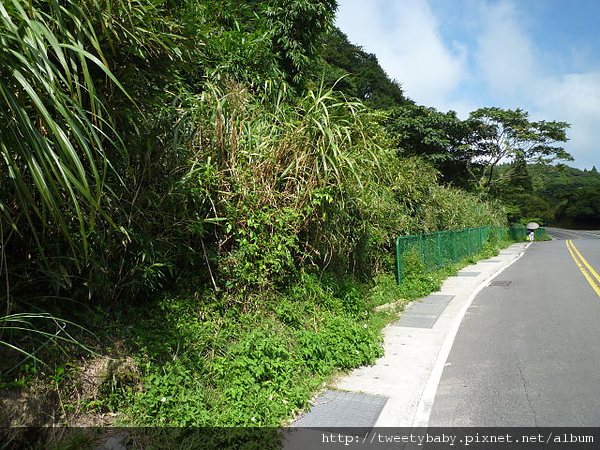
(505, 54)
(574, 93)
(405, 37)
(574, 98)
(517, 76)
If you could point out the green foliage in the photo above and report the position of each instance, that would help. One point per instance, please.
(53, 126)
(207, 366)
(503, 134)
(553, 182)
(265, 40)
(265, 242)
(385, 290)
(442, 139)
(289, 185)
(343, 344)
(262, 375)
(68, 217)
(172, 396)
(453, 209)
(581, 207)
(570, 192)
(557, 194)
(31, 335)
(517, 178)
(417, 282)
(357, 74)
(241, 185)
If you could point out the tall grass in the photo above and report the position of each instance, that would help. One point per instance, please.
(277, 165)
(42, 329)
(53, 126)
(307, 182)
(57, 138)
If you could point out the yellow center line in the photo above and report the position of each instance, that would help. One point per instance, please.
(589, 267)
(588, 271)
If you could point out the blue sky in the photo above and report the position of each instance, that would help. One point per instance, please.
(542, 56)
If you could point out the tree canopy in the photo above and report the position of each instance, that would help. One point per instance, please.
(439, 138)
(505, 135)
(358, 74)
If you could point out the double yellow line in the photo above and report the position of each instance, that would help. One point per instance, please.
(588, 271)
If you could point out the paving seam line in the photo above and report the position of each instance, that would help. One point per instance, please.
(425, 405)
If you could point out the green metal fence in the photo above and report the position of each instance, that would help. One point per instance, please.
(436, 250)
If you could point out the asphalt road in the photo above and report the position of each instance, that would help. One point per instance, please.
(527, 352)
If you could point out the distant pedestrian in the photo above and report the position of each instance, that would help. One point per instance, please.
(530, 235)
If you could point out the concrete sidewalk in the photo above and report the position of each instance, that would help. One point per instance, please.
(398, 391)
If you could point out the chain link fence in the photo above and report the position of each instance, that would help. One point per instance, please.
(436, 250)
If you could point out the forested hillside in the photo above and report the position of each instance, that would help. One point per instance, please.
(213, 190)
(574, 194)
(554, 195)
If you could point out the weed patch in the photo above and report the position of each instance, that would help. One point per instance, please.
(206, 365)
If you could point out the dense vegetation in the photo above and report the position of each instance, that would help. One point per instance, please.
(214, 188)
(557, 195)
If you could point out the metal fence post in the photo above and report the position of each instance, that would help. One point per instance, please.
(469, 241)
(454, 250)
(439, 246)
(398, 261)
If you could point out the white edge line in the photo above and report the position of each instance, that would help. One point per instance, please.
(421, 418)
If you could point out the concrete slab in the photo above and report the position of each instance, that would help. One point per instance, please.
(437, 299)
(426, 309)
(336, 409)
(417, 321)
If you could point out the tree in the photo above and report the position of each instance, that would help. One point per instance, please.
(255, 40)
(517, 192)
(440, 138)
(358, 74)
(581, 207)
(504, 135)
(516, 180)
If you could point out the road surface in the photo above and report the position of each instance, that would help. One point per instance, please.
(528, 349)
